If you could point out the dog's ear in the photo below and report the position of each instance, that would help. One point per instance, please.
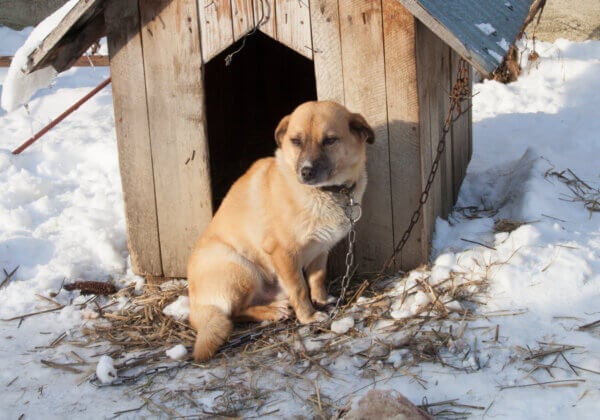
(281, 129)
(360, 126)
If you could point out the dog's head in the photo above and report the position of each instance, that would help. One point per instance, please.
(324, 143)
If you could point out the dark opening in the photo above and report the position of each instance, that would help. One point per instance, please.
(246, 100)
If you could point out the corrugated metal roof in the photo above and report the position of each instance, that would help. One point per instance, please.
(479, 30)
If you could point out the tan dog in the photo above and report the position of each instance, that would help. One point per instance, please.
(277, 222)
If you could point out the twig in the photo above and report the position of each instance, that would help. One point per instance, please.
(58, 308)
(47, 299)
(565, 382)
(548, 352)
(478, 243)
(64, 366)
(569, 363)
(587, 370)
(555, 218)
(590, 325)
(118, 413)
(8, 276)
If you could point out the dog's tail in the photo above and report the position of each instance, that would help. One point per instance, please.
(214, 328)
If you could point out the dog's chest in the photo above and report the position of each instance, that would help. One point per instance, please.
(325, 222)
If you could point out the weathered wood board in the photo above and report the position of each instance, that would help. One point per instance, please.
(242, 14)
(177, 127)
(461, 134)
(133, 136)
(327, 50)
(216, 26)
(361, 29)
(293, 26)
(403, 123)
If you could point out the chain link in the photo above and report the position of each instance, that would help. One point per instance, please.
(353, 212)
(460, 91)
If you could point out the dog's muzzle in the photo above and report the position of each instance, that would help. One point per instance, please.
(315, 172)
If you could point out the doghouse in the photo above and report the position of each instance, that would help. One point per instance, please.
(188, 124)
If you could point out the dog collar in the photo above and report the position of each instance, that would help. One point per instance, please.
(337, 189)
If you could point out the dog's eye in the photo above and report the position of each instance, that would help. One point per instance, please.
(328, 141)
(296, 142)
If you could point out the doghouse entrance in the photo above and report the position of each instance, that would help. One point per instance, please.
(245, 101)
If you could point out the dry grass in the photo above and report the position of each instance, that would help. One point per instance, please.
(298, 357)
(141, 324)
(581, 191)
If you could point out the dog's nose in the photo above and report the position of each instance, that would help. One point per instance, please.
(307, 173)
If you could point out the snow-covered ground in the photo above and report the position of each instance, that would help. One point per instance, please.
(61, 218)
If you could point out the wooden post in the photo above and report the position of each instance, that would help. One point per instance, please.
(175, 98)
(365, 92)
(461, 136)
(403, 119)
(133, 135)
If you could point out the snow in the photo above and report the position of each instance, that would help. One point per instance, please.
(18, 87)
(343, 325)
(178, 352)
(62, 219)
(504, 44)
(179, 309)
(105, 371)
(486, 28)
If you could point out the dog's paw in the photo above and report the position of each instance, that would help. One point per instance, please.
(281, 310)
(316, 316)
(324, 301)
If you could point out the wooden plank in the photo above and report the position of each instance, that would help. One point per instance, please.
(460, 136)
(177, 127)
(216, 26)
(429, 51)
(293, 26)
(327, 49)
(243, 17)
(364, 91)
(58, 46)
(83, 61)
(403, 120)
(133, 135)
(264, 12)
(446, 169)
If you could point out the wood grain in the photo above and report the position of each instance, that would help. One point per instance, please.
(216, 26)
(265, 10)
(403, 117)
(176, 114)
(327, 50)
(461, 136)
(365, 92)
(428, 73)
(133, 135)
(242, 14)
(293, 26)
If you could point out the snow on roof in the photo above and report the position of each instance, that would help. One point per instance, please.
(18, 87)
(479, 30)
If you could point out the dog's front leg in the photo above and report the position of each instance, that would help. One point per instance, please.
(292, 280)
(316, 273)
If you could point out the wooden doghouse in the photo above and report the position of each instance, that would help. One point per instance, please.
(188, 124)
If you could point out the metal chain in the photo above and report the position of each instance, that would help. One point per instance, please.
(131, 379)
(460, 91)
(353, 212)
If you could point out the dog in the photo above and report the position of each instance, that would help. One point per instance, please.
(266, 248)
